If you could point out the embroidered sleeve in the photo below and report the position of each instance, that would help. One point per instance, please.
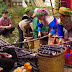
(53, 25)
(40, 26)
(60, 31)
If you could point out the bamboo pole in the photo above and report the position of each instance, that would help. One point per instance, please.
(31, 2)
(52, 7)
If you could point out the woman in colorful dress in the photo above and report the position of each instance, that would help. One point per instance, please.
(44, 30)
(65, 19)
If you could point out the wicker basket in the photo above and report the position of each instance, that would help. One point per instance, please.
(51, 64)
(30, 44)
(37, 44)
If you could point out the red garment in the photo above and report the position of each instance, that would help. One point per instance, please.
(5, 22)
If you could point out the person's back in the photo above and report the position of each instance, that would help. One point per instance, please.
(24, 25)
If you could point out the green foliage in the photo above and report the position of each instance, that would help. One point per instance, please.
(1, 1)
(3, 6)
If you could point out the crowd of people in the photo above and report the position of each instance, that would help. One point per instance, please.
(40, 23)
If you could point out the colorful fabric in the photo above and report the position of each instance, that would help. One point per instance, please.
(40, 26)
(54, 25)
(65, 11)
(5, 22)
(35, 27)
(36, 9)
(60, 31)
(68, 29)
(46, 12)
(40, 12)
(26, 10)
(67, 23)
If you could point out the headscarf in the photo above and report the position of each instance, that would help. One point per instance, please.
(65, 11)
(40, 12)
(46, 12)
(27, 9)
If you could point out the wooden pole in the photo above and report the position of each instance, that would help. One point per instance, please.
(7, 2)
(31, 2)
(52, 7)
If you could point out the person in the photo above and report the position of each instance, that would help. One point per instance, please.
(65, 19)
(24, 25)
(6, 62)
(35, 26)
(5, 24)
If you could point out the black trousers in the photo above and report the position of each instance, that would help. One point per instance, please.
(4, 31)
(20, 36)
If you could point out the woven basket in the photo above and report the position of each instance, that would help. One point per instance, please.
(51, 64)
(30, 44)
(37, 44)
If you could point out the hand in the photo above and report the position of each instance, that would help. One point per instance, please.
(39, 34)
(61, 40)
(6, 55)
(50, 35)
(0, 26)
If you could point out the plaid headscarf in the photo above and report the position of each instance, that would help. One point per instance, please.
(65, 11)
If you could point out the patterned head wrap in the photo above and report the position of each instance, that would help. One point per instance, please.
(40, 12)
(26, 10)
(46, 12)
(65, 11)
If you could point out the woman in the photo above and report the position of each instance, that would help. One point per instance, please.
(25, 25)
(65, 19)
(35, 25)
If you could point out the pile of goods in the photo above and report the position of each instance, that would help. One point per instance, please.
(3, 42)
(26, 68)
(50, 50)
(26, 53)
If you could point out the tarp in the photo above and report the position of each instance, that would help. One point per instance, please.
(47, 3)
(39, 3)
(24, 4)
